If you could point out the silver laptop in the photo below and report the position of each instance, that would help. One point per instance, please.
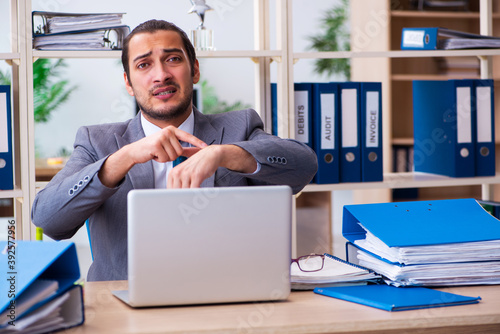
(208, 245)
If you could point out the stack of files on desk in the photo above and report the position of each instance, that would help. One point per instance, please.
(38, 285)
(444, 39)
(6, 153)
(453, 127)
(335, 272)
(342, 122)
(77, 31)
(427, 243)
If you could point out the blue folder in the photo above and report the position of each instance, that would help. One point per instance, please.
(27, 261)
(350, 138)
(6, 154)
(326, 131)
(444, 127)
(391, 298)
(485, 132)
(303, 113)
(421, 223)
(371, 132)
(433, 38)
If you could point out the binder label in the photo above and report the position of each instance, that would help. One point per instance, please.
(301, 116)
(464, 119)
(483, 103)
(4, 130)
(372, 119)
(413, 38)
(349, 118)
(327, 121)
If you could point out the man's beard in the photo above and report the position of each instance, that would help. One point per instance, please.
(170, 113)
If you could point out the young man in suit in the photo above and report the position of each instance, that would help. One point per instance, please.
(229, 149)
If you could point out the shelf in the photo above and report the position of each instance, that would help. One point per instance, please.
(426, 14)
(411, 77)
(396, 54)
(117, 54)
(406, 180)
(10, 56)
(11, 193)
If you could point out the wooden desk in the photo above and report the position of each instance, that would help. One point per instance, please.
(304, 312)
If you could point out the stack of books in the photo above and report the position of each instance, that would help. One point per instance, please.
(425, 243)
(77, 31)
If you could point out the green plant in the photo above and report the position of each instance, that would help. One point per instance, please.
(334, 37)
(48, 92)
(212, 104)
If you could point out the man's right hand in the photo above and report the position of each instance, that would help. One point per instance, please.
(163, 146)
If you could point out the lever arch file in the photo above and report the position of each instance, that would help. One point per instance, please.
(350, 138)
(41, 278)
(6, 153)
(326, 131)
(485, 131)
(371, 132)
(444, 127)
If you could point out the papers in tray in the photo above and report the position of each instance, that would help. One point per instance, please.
(103, 39)
(335, 272)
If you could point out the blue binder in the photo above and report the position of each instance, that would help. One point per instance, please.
(444, 127)
(371, 132)
(274, 109)
(350, 138)
(6, 154)
(326, 131)
(25, 262)
(303, 113)
(485, 131)
(441, 38)
(390, 298)
(421, 223)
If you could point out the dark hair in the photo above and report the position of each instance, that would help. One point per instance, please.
(152, 26)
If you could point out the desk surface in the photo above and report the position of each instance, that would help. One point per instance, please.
(303, 312)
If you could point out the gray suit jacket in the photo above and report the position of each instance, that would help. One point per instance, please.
(76, 193)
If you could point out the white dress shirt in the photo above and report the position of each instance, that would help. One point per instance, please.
(161, 169)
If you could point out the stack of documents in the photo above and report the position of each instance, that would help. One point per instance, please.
(335, 272)
(76, 31)
(38, 281)
(428, 243)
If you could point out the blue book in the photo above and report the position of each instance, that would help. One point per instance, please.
(350, 137)
(390, 298)
(274, 109)
(326, 131)
(444, 127)
(6, 153)
(485, 127)
(371, 132)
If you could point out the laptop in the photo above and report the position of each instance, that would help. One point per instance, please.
(208, 245)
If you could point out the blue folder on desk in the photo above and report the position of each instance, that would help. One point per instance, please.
(421, 223)
(26, 262)
(390, 298)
